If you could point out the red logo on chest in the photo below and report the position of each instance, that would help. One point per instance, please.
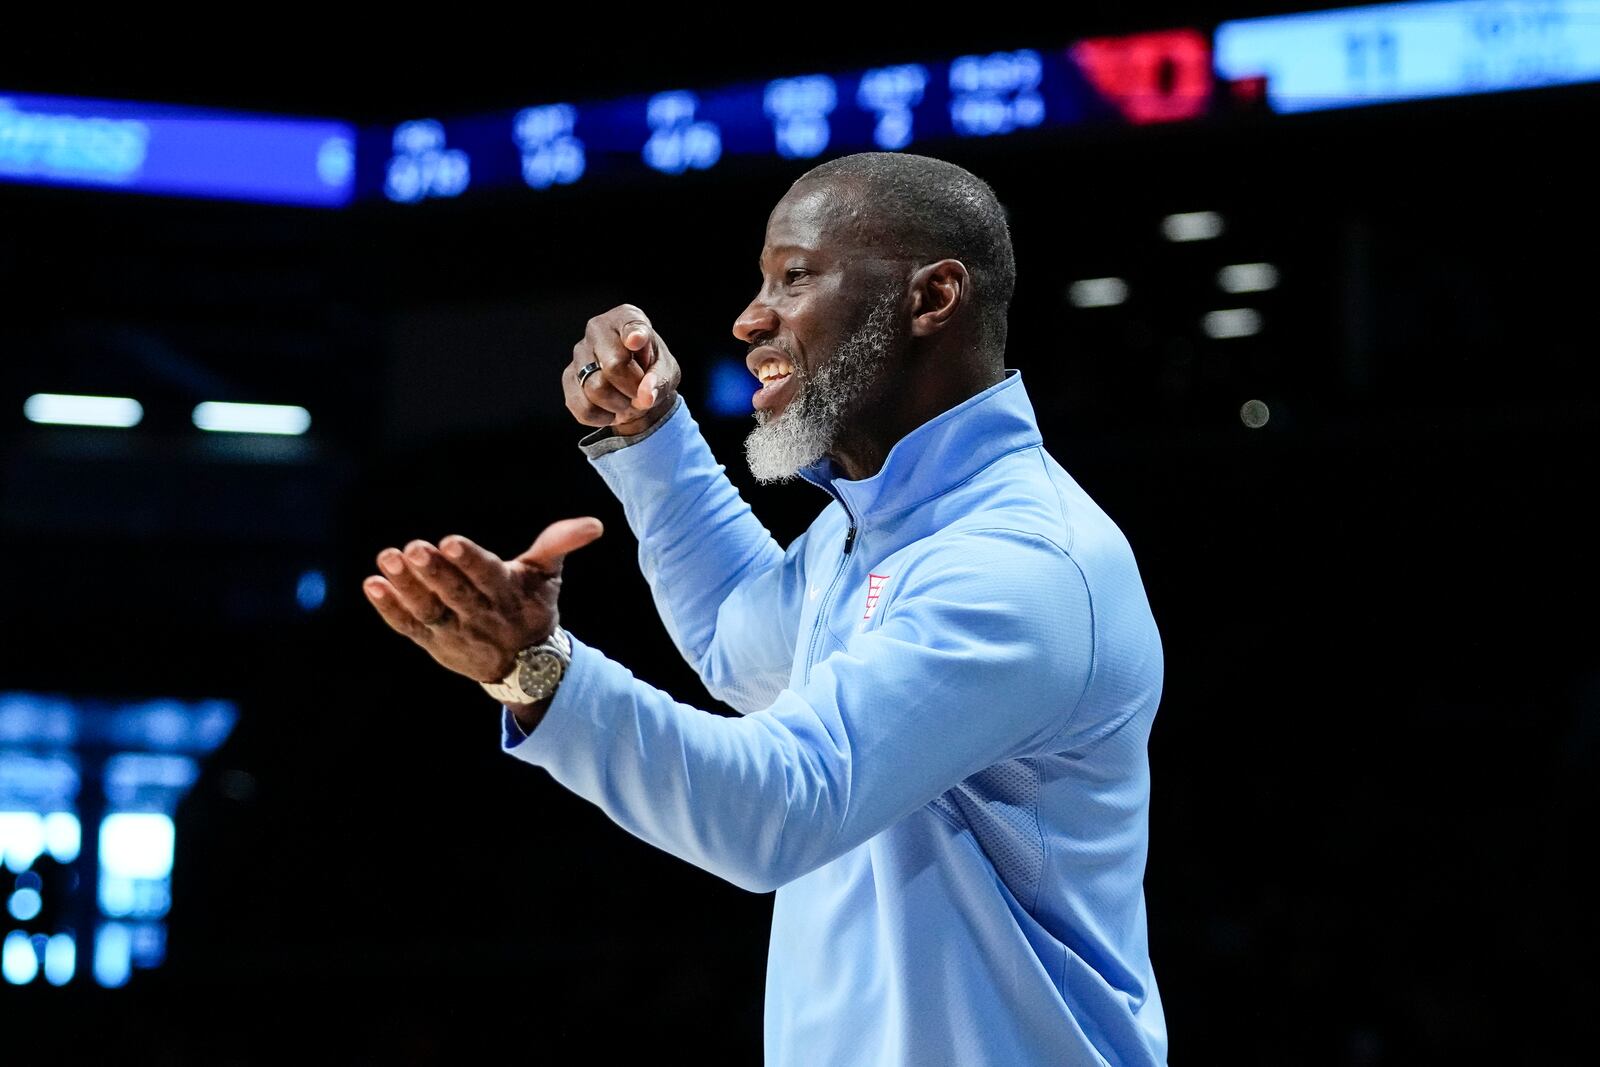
(874, 587)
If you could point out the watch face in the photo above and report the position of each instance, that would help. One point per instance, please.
(539, 674)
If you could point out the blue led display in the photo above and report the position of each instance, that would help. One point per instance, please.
(675, 131)
(422, 166)
(1369, 55)
(181, 151)
(891, 95)
(1323, 59)
(679, 131)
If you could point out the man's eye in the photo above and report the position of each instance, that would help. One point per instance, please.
(791, 272)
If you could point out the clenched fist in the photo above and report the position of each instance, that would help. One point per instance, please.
(637, 379)
(470, 609)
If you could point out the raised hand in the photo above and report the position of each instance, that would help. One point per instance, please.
(637, 379)
(470, 609)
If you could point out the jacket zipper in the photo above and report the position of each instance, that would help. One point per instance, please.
(827, 600)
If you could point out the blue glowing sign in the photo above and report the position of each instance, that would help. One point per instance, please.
(678, 140)
(422, 166)
(551, 155)
(892, 94)
(1387, 52)
(1151, 77)
(799, 109)
(180, 151)
(996, 93)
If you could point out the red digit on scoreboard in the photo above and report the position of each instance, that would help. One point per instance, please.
(1150, 77)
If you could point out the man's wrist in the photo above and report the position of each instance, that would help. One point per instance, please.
(607, 439)
(528, 716)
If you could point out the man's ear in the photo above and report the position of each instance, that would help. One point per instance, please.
(938, 292)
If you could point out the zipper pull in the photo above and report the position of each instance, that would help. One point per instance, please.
(849, 539)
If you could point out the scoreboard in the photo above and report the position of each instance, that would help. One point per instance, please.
(1293, 63)
(1149, 77)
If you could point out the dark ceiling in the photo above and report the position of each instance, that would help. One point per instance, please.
(380, 72)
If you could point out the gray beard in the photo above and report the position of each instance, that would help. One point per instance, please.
(809, 426)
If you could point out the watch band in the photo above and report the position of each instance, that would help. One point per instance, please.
(508, 690)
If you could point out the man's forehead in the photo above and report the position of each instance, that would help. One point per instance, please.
(813, 217)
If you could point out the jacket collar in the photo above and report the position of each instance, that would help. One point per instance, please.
(938, 455)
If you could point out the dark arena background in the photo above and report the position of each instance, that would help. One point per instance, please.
(1308, 305)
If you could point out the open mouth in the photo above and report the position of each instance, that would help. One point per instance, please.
(777, 385)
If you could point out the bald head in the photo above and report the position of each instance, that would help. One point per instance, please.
(922, 210)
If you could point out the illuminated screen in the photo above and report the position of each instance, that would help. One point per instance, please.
(180, 151)
(1152, 77)
(1371, 55)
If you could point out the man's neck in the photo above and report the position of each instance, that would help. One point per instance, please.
(864, 443)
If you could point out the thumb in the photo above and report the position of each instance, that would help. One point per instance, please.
(558, 539)
(637, 338)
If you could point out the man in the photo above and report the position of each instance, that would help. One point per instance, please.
(947, 682)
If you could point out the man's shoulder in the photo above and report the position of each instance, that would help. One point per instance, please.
(990, 552)
(1022, 510)
(1013, 505)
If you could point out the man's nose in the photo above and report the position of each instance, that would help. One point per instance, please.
(756, 319)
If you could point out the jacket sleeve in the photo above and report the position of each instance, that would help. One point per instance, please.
(727, 593)
(981, 655)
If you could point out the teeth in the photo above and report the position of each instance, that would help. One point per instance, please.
(773, 368)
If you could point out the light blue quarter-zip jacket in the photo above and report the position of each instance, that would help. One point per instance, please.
(946, 686)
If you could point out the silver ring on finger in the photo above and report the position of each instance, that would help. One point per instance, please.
(585, 372)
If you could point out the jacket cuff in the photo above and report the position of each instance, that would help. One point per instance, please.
(579, 712)
(604, 440)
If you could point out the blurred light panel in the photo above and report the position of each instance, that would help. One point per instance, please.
(136, 845)
(1098, 292)
(60, 959)
(142, 758)
(1247, 278)
(678, 140)
(799, 109)
(21, 838)
(64, 409)
(1192, 226)
(223, 417)
(113, 955)
(19, 962)
(25, 904)
(1164, 76)
(550, 154)
(124, 146)
(1234, 322)
(1386, 52)
(422, 166)
(891, 93)
(996, 93)
(63, 836)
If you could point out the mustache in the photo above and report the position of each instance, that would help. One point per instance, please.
(793, 362)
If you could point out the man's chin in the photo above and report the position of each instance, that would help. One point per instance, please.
(780, 447)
